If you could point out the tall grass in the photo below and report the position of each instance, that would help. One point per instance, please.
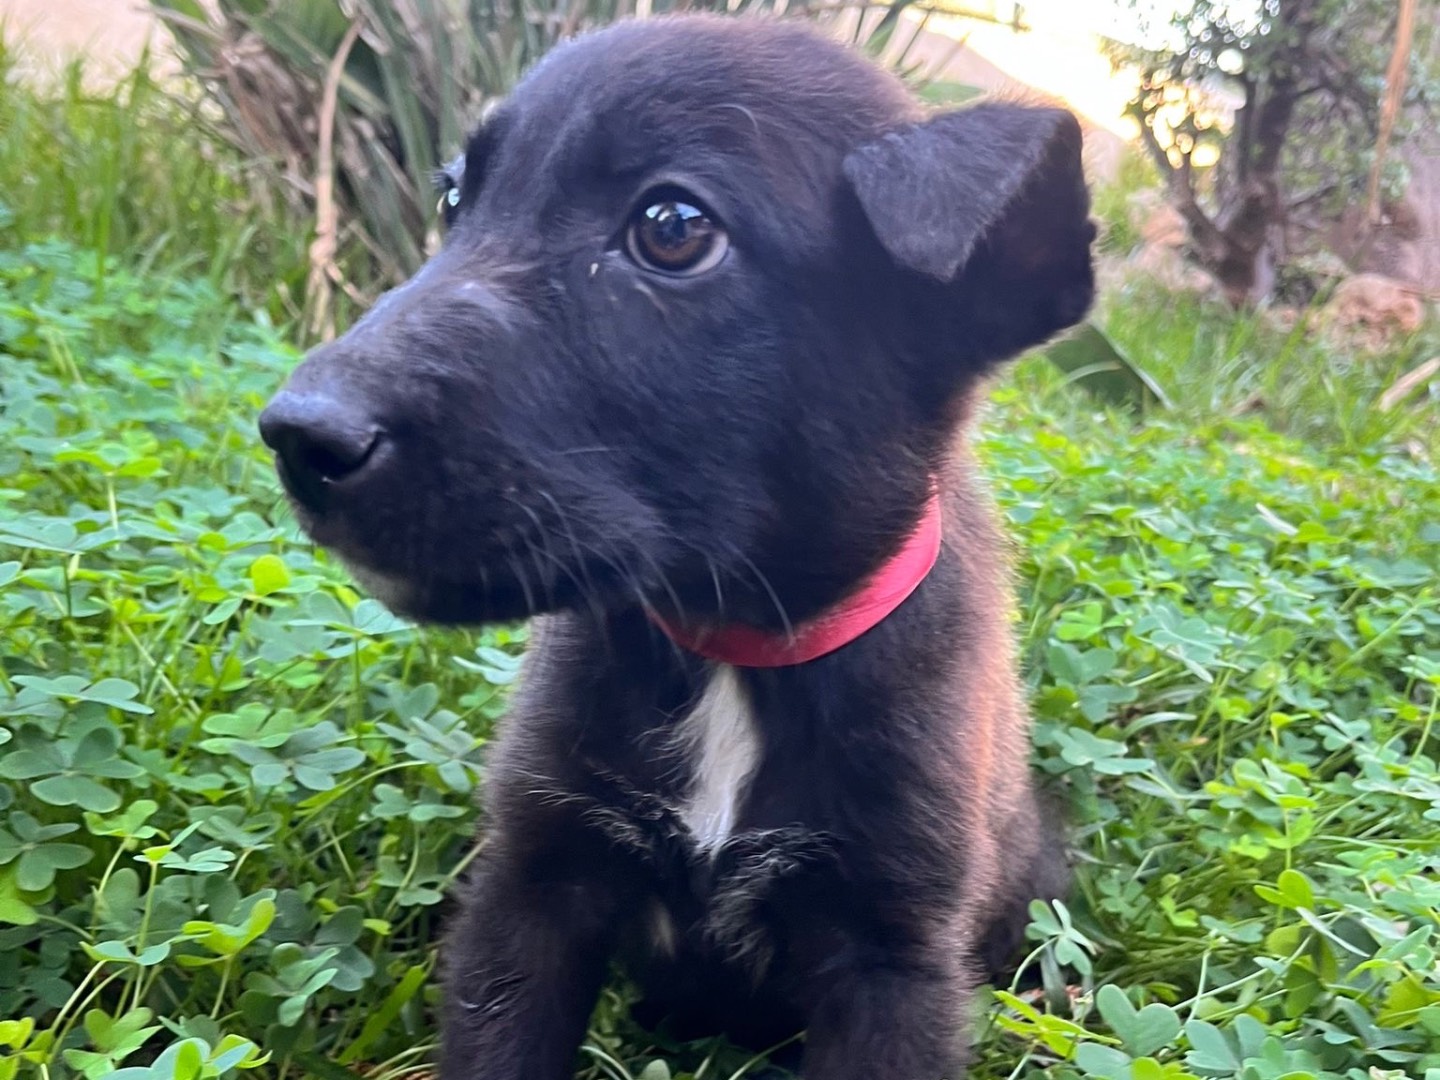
(1279, 366)
(131, 170)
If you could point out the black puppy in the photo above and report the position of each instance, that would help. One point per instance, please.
(688, 378)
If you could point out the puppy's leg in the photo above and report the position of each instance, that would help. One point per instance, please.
(524, 966)
(898, 1021)
(1036, 868)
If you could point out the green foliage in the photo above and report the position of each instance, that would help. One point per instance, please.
(1232, 641)
(1214, 364)
(1090, 358)
(235, 792)
(232, 792)
(129, 169)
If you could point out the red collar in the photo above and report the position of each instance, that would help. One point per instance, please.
(884, 591)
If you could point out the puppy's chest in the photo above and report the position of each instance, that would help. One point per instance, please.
(699, 801)
(733, 864)
(717, 750)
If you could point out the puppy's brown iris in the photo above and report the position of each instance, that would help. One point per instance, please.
(675, 236)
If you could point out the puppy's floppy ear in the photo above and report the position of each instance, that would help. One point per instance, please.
(992, 199)
(933, 190)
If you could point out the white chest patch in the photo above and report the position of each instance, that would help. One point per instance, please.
(721, 745)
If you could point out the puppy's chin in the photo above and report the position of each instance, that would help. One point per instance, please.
(449, 603)
(397, 594)
(413, 590)
(493, 585)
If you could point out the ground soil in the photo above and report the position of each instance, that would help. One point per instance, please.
(110, 34)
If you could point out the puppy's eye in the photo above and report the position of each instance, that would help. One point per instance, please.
(673, 235)
(448, 204)
(447, 186)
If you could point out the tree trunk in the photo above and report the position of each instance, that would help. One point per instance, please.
(1238, 243)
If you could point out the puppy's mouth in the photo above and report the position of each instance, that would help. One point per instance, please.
(440, 539)
(452, 603)
(478, 557)
(503, 576)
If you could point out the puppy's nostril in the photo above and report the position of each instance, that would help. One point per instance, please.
(317, 439)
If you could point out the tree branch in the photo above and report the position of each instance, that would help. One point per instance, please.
(323, 270)
(1207, 239)
(1394, 93)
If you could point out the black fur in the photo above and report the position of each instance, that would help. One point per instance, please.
(535, 424)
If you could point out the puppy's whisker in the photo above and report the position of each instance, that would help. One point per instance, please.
(539, 530)
(613, 562)
(572, 450)
(649, 294)
(719, 589)
(743, 111)
(518, 569)
(547, 580)
(579, 573)
(764, 583)
(664, 582)
(637, 589)
(585, 583)
(564, 522)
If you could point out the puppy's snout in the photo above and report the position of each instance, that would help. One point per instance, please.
(319, 440)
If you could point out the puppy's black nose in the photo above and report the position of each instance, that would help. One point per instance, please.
(318, 441)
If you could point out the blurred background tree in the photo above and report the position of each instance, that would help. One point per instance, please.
(1302, 82)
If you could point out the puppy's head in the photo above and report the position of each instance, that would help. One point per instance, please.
(713, 298)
